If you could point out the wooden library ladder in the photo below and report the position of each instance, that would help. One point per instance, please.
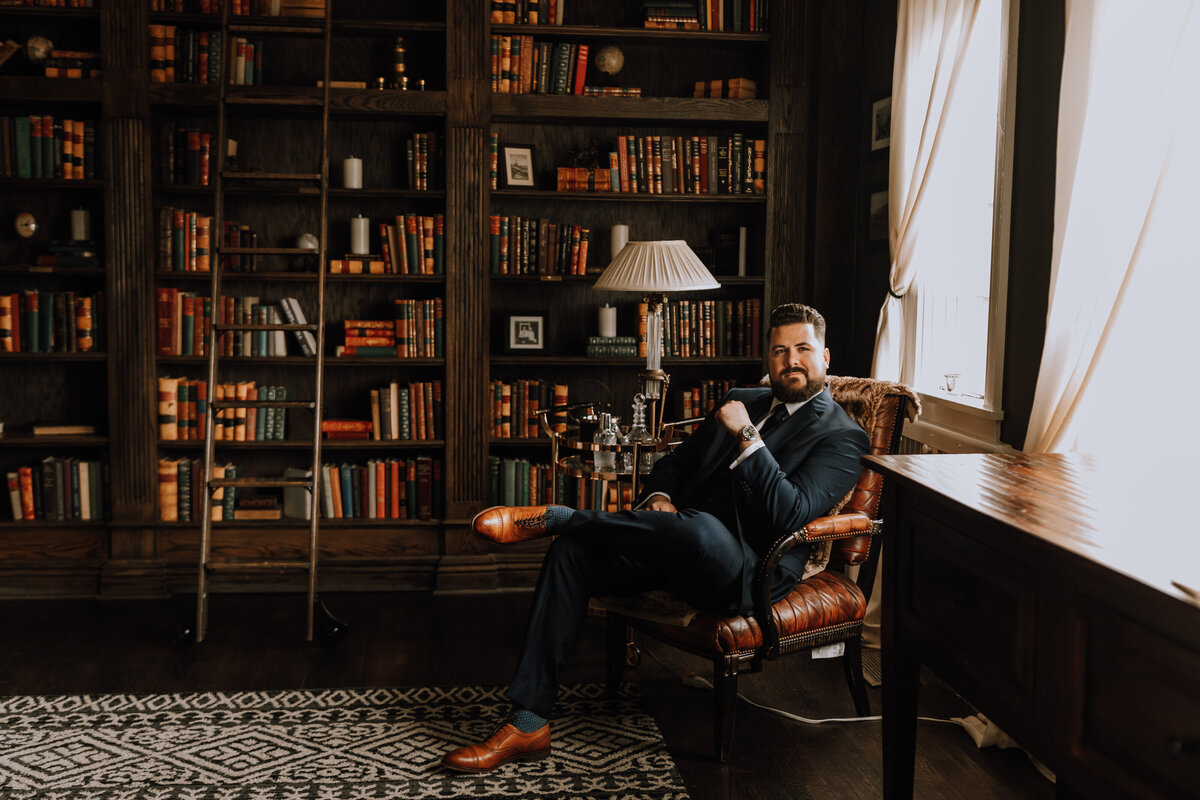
(320, 624)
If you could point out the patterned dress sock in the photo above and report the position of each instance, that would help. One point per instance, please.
(525, 720)
(556, 516)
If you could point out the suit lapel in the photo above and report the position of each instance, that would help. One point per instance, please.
(797, 422)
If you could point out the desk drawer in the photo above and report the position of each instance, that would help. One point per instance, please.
(1137, 711)
(979, 605)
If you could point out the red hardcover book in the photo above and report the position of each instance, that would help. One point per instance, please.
(166, 320)
(342, 425)
(581, 61)
(335, 487)
(25, 480)
(380, 490)
(393, 489)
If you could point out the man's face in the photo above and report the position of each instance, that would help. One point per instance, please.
(796, 360)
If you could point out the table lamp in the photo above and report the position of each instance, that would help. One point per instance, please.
(655, 269)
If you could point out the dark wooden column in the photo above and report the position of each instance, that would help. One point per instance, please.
(467, 124)
(788, 267)
(132, 389)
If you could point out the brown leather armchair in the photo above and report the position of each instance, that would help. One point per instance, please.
(824, 608)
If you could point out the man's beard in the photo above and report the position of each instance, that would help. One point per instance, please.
(788, 392)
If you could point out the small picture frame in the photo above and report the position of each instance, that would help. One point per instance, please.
(518, 166)
(877, 216)
(881, 124)
(526, 333)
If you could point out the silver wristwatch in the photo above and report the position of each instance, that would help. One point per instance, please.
(749, 433)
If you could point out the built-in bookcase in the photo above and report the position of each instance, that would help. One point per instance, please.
(276, 120)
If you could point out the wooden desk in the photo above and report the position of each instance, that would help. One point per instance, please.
(1041, 589)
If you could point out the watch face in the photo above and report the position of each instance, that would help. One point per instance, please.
(25, 224)
(749, 433)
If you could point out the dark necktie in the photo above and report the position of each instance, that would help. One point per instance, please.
(778, 415)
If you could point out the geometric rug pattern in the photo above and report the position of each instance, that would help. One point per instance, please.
(331, 744)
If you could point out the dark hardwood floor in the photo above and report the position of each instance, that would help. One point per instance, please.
(409, 639)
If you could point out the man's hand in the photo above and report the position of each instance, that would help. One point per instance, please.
(659, 502)
(734, 417)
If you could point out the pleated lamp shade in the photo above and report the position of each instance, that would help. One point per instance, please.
(656, 267)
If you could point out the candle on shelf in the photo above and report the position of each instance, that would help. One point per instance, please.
(81, 225)
(620, 235)
(352, 172)
(608, 321)
(360, 239)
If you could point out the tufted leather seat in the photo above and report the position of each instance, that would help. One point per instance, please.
(826, 607)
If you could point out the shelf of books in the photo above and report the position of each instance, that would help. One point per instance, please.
(593, 143)
(53, 331)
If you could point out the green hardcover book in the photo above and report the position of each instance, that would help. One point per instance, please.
(35, 145)
(48, 147)
(493, 480)
(46, 321)
(260, 420)
(228, 504)
(24, 147)
(412, 243)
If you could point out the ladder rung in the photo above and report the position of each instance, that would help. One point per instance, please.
(272, 176)
(247, 326)
(262, 404)
(267, 483)
(235, 566)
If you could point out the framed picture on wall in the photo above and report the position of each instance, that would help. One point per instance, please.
(881, 123)
(877, 216)
(518, 166)
(526, 333)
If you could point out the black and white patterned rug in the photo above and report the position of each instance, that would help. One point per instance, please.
(334, 744)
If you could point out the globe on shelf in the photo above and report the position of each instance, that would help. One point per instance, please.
(609, 60)
(306, 241)
(37, 49)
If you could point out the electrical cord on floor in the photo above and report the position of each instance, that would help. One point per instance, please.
(969, 724)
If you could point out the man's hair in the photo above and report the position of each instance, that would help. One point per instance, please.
(797, 314)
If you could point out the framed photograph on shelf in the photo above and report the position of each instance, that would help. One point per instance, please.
(526, 333)
(877, 216)
(881, 123)
(518, 166)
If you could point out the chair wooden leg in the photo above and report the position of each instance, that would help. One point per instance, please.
(724, 705)
(617, 635)
(852, 664)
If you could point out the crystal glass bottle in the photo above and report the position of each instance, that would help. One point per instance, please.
(637, 433)
(606, 461)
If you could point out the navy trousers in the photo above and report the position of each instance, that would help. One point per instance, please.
(691, 553)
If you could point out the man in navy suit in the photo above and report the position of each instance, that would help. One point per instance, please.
(765, 463)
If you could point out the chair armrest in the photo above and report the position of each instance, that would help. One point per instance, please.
(838, 526)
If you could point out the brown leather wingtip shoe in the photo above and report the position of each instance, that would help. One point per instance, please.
(504, 745)
(508, 524)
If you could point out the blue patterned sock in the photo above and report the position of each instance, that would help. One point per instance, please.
(526, 721)
(557, 516)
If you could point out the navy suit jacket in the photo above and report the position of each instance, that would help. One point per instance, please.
(809, 463)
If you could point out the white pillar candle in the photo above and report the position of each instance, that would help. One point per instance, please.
(620, 235)
(360, 237)
(608, 320)
(352, 172)
(81, 225)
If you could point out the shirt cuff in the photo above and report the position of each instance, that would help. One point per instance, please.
(757, 445)
(647, 498)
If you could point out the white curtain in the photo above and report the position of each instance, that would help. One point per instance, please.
(932, 40)
(1119, 370)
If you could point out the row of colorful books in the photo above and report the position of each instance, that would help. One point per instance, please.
(523, 65)
(260, 8)
(51, 3)
(59, 488)
(186, 154)
(515, 405)
(701, 399)
(185, 321)
(181, 490)
(69, 254)
(399, 412)
(417, 331)
(44, 321)
(184, 55)
(537, 246)
(391, 488)
(43, 146)
(708, 328)
(245, 61)
(414, 245)
(520, 482)
(528, 12)
(184, 242)
(186, 6)
(183, 411)
(612, 346)
(733, 16)
(424, 162)
(694, 164)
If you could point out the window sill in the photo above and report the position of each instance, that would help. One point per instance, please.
(957, 424)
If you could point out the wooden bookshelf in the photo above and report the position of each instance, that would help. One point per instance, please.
(275, 187)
